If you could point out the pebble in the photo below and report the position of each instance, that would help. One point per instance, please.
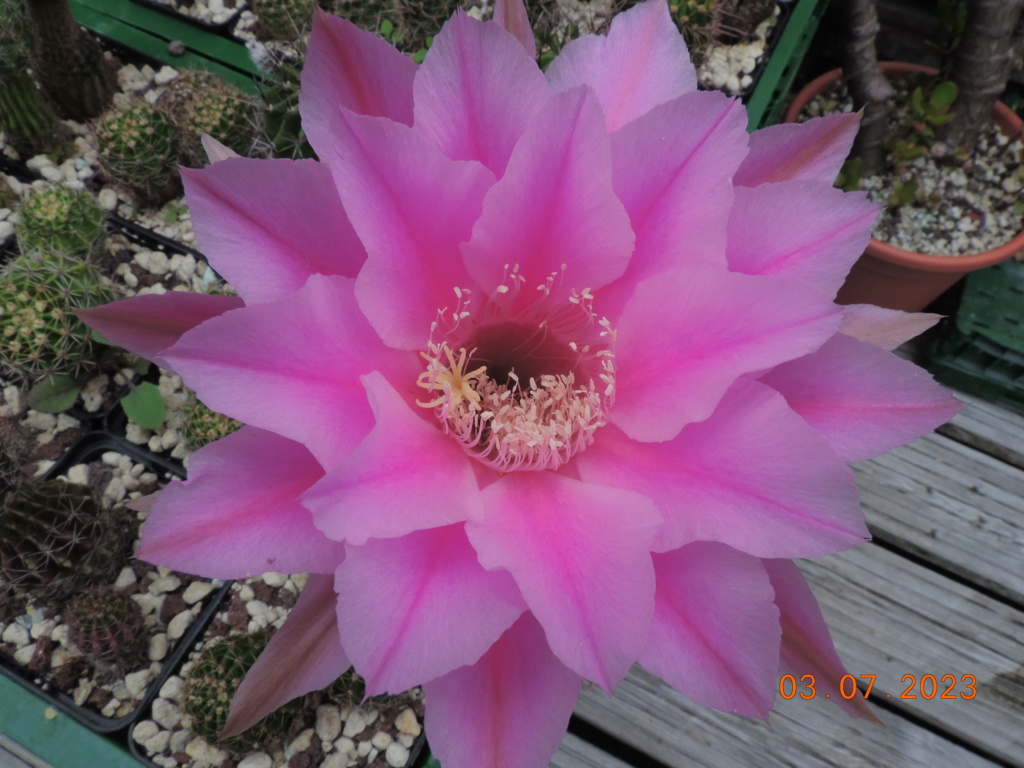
(300, 743)
(273, 579)
(173, 688)
(257, 760)
(44, 627)
(145, 730)
(82, 692)
(79, 474)
(407, 722)
(176, 627)
(381, 740)
(363, 748)
(24, 655)
(158, 743)
(355, 724)
(136, 682)
(164, 75)
(328, 722)
(16, 634)
(163, 585)
(60, 635)
(107, 199)
(166, 713)
(157, 647)
(6, 230)
(201, 749)
(335, 760)
(196, 591)
(396, 755)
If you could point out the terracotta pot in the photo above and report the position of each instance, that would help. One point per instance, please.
(892, 277)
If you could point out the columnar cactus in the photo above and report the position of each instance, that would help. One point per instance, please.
(139, 147)
(55, 538)
(107, 625)
(212, 683)
(200, 102)
(28, 120)
(39, 332)
(60, 220)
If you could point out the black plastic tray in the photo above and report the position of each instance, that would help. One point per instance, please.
(89, 448)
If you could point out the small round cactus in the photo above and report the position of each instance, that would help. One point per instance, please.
(58, 219)
(39, 332)
(203, 425)
(212, 683)
(107, 625)
(200, 102)
(56, 539)
(139, 147)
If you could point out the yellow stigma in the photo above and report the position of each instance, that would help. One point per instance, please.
(455, 385)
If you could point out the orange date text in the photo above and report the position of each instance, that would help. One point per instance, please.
(849, 687)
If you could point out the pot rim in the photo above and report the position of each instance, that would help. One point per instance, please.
(1008, 122)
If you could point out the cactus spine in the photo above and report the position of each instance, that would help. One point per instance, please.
(39, 333)
(202, 425)
(107, 625)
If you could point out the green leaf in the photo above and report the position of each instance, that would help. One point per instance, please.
(917, 101)
(943, 96)
(940, 119)
(54, 394)
(145, 405)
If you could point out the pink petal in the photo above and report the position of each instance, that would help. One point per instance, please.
(581, 557)
(216, 151)
(862, 399)
(806, 643)
(304, 655)
(678, 198)
(149, 324)
(545, 220)
(511, 16)
(642, 63)
(350, 68)
(477, 91)
(292, 366)
(715, 633)
(238, 513)
(412, 207)
(805, 230)
(267, 225)
(754, 476)
(415, 608)
(407, 471)
(885, 328)
(686, 335)
(814, 150)
(509, 710)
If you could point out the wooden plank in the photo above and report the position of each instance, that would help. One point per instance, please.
(993, 429)
(576, 753)
(654, 718)
(953, 506)
(891, 618)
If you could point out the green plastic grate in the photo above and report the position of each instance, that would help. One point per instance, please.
(982, 352)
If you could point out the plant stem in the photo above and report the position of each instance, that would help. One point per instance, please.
(865, 81)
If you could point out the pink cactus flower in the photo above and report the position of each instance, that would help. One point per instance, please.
(542, 377)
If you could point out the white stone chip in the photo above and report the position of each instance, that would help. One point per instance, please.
(196, 591)
(406, 722)
(145, 730)
(166, 713)
(16, 634)
(136, 682)
(355, 724)
(259, 760)
(396, 755)
(381, 740)
(328, 722)
(157, 647)
(177, 626)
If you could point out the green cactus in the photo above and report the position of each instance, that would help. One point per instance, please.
(60, 220)
(200, 102)
(212, 683)
(56, 539)
(39, 332)
(282, 127)
(203, 425)
(107, 625)
(28, 120)
(284, 19)
(139, 147)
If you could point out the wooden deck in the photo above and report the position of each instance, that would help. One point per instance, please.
(940, 591)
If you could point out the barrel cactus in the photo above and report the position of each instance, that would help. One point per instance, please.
(139, 146)
(284, 19)
(107, 625)
(39, 332)
(203, 425)
(200, 102)
(56, 539)
(58, 219)
(212, 683)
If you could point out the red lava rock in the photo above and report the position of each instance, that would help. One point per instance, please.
(40, 661)
(173, 605)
